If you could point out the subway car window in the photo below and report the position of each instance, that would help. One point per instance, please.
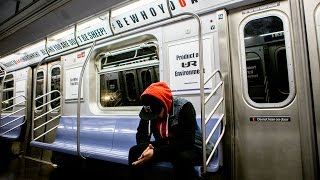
(266, 60)
(7, 93)
(126, 73)
(146, 77)
(55, 85)
(132, 93)
(39, 88)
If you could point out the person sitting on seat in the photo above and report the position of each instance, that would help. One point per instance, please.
(172, 122)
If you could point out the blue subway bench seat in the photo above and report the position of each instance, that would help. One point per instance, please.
(10, 127)
(108, 138)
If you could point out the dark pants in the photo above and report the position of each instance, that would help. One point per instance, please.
(182, 161)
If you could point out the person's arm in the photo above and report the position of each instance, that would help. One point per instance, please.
(184, 136)
(146, 155)
(143, 136)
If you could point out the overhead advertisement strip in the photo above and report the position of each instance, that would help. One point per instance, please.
(111, 23)
(141, 16)
(93, 30)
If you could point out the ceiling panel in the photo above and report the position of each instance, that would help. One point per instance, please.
(65, 15)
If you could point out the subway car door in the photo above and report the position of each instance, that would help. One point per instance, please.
(47, 103)
(312, 15)
(268, 105)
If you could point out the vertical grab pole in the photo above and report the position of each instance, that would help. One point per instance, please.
(203, 118)
(79, 95)
(202, 102)
(3, 68)
(35, 86)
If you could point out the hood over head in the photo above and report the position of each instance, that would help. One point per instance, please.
(157, 96)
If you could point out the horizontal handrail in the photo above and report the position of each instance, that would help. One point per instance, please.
(38, 117)
(56, 116)
(212, 75)
(208, 118)
(7, 89)
(213, 92)
(12, 121)
(3, 110)
(13, 128)
(47, 94)
(47, 122)
(217, 143)
(214, 129)
(46, 132)
(15, 97)
(214, 110)
(12, 113)
(39, 107)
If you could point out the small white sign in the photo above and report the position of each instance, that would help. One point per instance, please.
(185, 67)
(20, 90)
(72, 83)
(21, 86)
(75, 59)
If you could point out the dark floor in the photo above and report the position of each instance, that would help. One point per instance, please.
(20, 168)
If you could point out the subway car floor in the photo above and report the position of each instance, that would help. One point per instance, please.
(23, 168)
(18, 167)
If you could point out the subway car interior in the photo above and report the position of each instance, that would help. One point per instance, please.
(72, 74)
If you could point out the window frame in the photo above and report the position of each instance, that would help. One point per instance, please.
(102, 71)
(288, 47)
(50, 83)
(43, 89)
(11, 89)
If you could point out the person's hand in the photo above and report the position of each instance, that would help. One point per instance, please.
(145, 156)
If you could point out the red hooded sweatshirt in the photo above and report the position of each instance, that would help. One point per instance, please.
(161, 91)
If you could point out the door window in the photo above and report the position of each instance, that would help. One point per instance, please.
(39, 89)
(267, 66)
(55, 85)
(7, 93)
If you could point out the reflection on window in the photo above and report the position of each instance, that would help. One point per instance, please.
(132, 71)
(146, 78)
(55, 85)
(282, 72)
(131, 87)
(111, 96)
(39, 88)
(266, 60)
(7, 93)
